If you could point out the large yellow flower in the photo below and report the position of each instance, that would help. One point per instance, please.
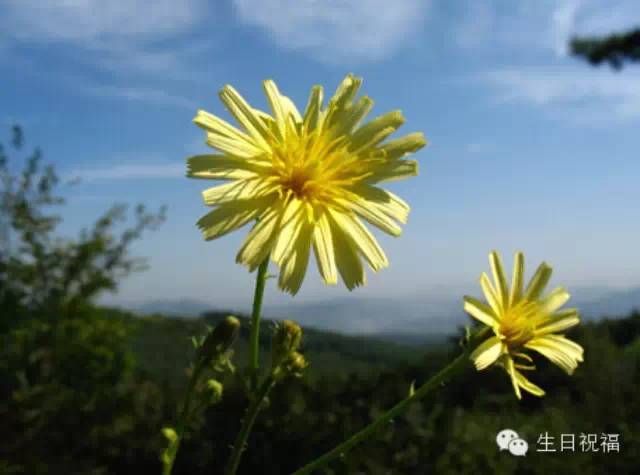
(307, 179)
(523, 319)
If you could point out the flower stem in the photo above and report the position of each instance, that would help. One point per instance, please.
(247, 425)
(184, 414)
(254, 339)
(453, 368)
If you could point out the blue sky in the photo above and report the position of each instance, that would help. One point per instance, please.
(529, 148)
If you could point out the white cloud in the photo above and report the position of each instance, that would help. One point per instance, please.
(585, 94)
(153, 96)
(97, 20)
(129, 171)
(336, 30)
(130, 36)
(539, 25)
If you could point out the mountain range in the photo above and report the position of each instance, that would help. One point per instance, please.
(398, 319)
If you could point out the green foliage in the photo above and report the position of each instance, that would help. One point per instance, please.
(614, 49)
(70, 400)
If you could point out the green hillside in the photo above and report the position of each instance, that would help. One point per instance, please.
(162, 346)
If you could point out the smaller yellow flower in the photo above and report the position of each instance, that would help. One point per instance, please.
(523, 320)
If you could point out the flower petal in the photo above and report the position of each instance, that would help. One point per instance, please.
(393, 171)
(500, 279)
(246, 116)
(260, 240)
(324, 249)
(233, 215)
(237, 190)
(487, 353)
(559, 350)
(363, 240)
(398, 148)
(517, 279)
(490, 294)
(481, 312)
(293, 270)
(558, 322)
(527, 385)
(552, 302)
(538, 282)
(293, 220)
(349, 265)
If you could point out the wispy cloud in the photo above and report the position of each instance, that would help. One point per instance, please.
(128, 171)
(538, 25)
(148, 95)
(336, 30)
(124, 36)
(585, 94)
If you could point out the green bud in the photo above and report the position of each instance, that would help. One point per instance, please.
(170, 434)
(286, 340)
(220, 339)
(293, 365)
(214, 391)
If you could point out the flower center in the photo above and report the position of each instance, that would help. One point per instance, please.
(299, 182)
(517, 324)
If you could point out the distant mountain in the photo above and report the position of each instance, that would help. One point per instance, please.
(178, 308)
(616, 303)
(403, 320)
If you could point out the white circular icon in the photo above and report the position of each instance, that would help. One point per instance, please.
(518, 447)
(504, 437)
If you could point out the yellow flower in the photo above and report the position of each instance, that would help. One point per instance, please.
(307, 179)
(523, 320)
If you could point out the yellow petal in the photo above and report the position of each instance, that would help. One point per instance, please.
(538, 282)
(324, 250)
(527, 385)
(346, 121)
(293, 270)
(293, 219)
(237, 190)
(362, 239)
(349, 265)
(490, 294)
(246, 116)
(387, 202)
(222, 167)
(512, 372)
(500, 279)
(225, 137)
(559, 350)
(517, 279)
(552, 302)
(313, 111)
(393, 171)
(481, 311)
(371, 129)
(559, 321)
(230, 216)
(374, 214)
(487, 353)
(402, 146)
(260, 240)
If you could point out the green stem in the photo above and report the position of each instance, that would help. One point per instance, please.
(455, 367)
(184, 414)
(247, 425)
(254, 339)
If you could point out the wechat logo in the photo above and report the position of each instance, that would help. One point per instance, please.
(508, 439)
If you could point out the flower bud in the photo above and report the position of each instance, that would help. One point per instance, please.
(286, 340)
(214, 391)
(296, 363)
(220, 339)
